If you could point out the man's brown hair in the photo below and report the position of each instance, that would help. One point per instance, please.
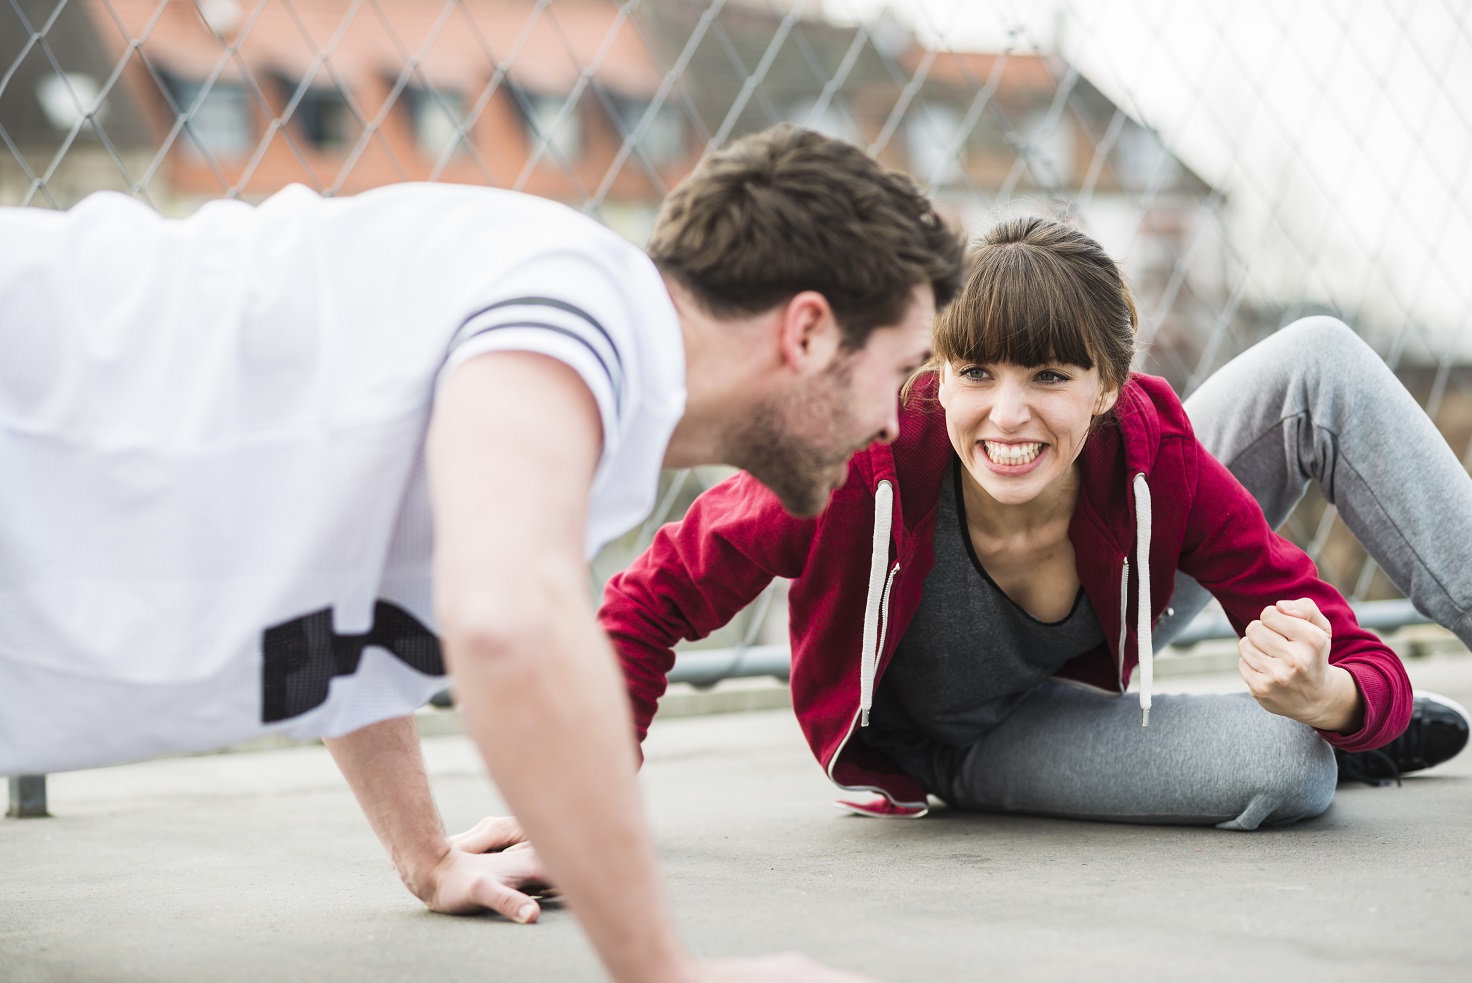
(787, 210)
(1040, 291)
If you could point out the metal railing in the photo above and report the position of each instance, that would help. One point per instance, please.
(27, 797)
(706, 667)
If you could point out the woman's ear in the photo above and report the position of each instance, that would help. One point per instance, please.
(1106, 402)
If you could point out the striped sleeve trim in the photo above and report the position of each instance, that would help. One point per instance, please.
(552, 315)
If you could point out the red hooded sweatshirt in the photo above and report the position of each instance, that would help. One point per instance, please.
(1151, 501)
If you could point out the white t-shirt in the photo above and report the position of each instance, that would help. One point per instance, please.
(213, 515)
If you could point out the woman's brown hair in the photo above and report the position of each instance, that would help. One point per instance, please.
(1039, 291)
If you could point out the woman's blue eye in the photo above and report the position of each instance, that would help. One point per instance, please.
(978, 373)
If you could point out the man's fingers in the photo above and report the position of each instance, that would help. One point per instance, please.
(473, 882)
(518, 867)
(491, 893)
(490, 834)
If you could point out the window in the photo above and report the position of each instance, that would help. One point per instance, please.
(833, 120)
(663, 142)
(932, 130)
(216, 119)
(564, 139)
(325, 120)
(437, 116)
(1049, 148)
(68, 98)
(1143, 159)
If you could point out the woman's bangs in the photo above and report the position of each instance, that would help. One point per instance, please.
(1014, 320)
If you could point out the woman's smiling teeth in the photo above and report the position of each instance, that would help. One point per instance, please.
(1011, 454)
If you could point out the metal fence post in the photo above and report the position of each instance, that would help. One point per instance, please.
(27, 797)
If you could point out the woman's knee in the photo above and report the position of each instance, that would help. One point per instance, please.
(1318, 366)
(1309, 773)
(1324, 341)
(1295, 780)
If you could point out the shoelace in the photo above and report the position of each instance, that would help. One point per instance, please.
(1407, 750)
(1351, 767)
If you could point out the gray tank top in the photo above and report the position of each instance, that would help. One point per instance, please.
(970, 655)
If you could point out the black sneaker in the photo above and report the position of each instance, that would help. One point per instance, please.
(1437, 732)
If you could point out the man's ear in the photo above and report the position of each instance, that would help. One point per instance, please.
(808, 333)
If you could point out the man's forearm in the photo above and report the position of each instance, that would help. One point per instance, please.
(512, 451)
(383, 766)
(553, 726)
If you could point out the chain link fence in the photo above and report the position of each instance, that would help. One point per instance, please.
(1249, 162)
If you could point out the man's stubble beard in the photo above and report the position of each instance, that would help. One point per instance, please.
(794, 445)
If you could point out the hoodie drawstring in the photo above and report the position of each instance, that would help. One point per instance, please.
(878, 589)
(1143, 635)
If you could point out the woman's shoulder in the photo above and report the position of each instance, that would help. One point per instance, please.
(920, 410)
(923, 432)
(1149, 433)
(1152, 401)
(914, 463)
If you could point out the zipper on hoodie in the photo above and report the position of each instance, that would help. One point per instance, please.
(870, 655)
(883, 631)
(861, 717)
(1124, 623)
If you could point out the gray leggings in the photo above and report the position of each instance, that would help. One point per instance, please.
(1312, 401)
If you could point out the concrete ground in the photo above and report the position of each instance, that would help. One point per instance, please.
(258, 866)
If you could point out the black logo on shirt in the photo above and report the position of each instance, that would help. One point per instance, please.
(304, 654)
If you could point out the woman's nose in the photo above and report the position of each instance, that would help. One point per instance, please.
(1009, 409)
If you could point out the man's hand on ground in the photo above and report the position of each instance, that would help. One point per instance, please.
(491, 835)
(470, 879)
(478, 870)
